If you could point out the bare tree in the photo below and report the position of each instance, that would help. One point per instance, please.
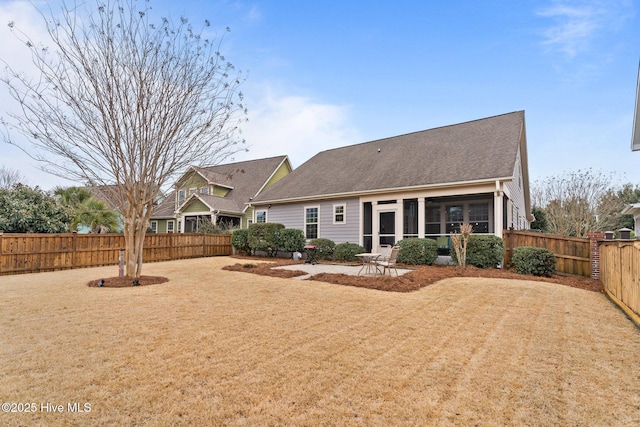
(9, 177)
(577, 202)
(123, 102)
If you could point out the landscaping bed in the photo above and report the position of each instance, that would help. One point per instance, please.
(420, 277)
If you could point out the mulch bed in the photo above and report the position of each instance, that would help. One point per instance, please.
(126, 282)
(420, 277)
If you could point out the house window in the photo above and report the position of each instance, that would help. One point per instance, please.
(261, 216)
(154, 226)
(339, 214)
(181, 195)
(311, 222)
(171, 226)
(432, 220)
(192, 190)
(479, 217)
(204, 190)
(455, 217)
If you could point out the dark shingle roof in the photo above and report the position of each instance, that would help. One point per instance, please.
(471, 151)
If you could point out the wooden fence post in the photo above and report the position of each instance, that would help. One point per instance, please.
(74, 234)
(1, 233)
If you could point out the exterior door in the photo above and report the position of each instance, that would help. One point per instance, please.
(387, 227)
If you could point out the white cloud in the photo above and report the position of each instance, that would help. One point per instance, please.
(294, 125)
(577, 24)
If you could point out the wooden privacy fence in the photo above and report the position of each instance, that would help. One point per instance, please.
(573, 254)
(30, 253)
(620, 274)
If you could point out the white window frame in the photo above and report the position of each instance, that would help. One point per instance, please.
(265, 216)
(154, 226)
(307, 223)
(343, 213)
(193, 190)
(204, 190)
(171, 229)
(182, 195)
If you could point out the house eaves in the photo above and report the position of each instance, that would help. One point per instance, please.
(394, 190)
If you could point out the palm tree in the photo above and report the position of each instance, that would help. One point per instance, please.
(87, 210)
(94, 214)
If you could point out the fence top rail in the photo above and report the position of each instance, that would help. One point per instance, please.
(620, 243)
(546, 236)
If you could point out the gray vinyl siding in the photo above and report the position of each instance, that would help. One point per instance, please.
(292, 216)
(515, 189)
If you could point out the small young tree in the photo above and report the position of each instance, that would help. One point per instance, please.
(459, 242)
(9, 177)
(124, 102)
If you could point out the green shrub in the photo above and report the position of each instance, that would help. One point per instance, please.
(239, 239)
(292, 240)
(535, 261)
(265, 236)
(417, 251)
(325, 247)
(347, 252)
(483, 251)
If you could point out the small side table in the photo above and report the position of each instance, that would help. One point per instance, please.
(368, 263)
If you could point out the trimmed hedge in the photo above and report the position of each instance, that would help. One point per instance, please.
(325, 247)
(417, 251)
(535, 261)
(483, 251)
(265, 236)
(347, 252)
(239, 239)
(291, 240)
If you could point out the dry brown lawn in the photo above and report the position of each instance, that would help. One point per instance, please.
(216, 347)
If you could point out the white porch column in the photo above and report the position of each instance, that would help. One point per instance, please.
(421, 219)
(498, 197)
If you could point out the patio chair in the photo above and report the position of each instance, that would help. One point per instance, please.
(384, 251)
(389, 262)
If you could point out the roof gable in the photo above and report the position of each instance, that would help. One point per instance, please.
(243, 179)
(484, 149)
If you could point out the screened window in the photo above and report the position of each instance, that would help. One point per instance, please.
(432, 220)
(479, 217)
(261, 216)
(410, 218)
(311, 222)
(455, 217)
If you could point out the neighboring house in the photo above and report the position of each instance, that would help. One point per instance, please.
(423, 184)
(634, 209)
(218, 194)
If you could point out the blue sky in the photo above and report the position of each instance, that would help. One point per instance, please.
(334, 73)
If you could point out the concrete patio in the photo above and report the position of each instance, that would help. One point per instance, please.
(351, 270)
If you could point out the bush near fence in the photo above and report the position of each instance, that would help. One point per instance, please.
(30, 253)
(573, 254)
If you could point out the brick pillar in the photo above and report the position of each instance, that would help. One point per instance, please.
(594, 245)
